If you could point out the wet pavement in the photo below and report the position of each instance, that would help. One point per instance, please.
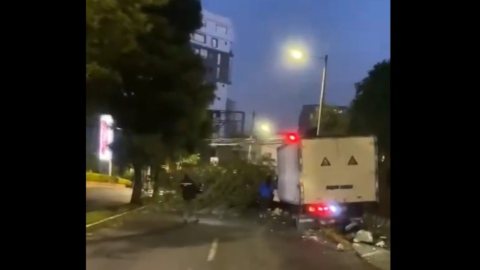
(159, 241)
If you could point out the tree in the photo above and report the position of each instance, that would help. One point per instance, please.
(370, 109)
(159, 96)
(370, 115)
(112, 27)
(333, 122)
(140, 151)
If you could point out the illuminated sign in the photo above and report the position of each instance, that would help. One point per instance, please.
(106, 137)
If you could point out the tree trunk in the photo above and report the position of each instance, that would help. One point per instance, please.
(156, 180)
(172, 165)
(137, 185)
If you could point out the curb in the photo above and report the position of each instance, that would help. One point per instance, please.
(363, 258)
(114, 217)
(368, 255)
(109, 185)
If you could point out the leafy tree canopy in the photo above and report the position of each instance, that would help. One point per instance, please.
(159, 82)
(370, 109)
(334, 121)
(142, 71)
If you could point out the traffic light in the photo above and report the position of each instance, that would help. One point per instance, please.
(292, 138)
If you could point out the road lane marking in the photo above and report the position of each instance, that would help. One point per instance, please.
(213, 250)
(113, 217)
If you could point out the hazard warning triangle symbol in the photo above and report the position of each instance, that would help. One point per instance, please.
(325, 162)
(352, 161)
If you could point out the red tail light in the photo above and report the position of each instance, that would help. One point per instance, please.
(291, 138)
(318, 208)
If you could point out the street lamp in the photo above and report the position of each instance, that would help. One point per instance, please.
(262, 129)
(265, 128)
(297, 55)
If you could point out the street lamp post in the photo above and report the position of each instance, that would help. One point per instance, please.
(322, 93)
(297, 55)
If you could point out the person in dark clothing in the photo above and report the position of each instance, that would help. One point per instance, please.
(266, 196)
(273, 204)
(189, 192)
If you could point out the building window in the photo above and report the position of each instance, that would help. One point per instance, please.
(214, 42)
(221, 29)
(218, 72)
(197, 51)
(204, 53)
(199, 37)
(219, 58)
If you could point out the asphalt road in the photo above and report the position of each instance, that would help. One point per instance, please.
(153, 241)
(99, 198)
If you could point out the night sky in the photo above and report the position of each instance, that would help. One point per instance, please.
(354, 33)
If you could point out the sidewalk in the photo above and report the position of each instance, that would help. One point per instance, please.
(379, 257)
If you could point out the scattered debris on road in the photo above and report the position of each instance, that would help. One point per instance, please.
(364, 237)
(277, 212)
(352, 227)
(381, 244)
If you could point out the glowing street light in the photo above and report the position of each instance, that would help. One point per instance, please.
(265, 128)
(296, 54)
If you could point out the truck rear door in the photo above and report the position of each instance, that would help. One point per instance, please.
(339, 169)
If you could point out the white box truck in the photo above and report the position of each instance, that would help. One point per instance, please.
(320, 178)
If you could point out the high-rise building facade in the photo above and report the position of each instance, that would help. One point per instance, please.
(214, 43)
(232, 127)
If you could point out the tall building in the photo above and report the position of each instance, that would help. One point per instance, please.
(214, 43)
(307, 114)
(232, 127)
